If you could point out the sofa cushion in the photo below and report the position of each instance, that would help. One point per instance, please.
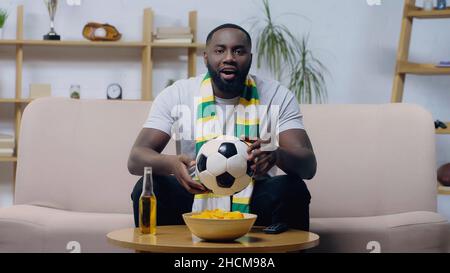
(371, 159)
(73, 154)
(419, 231)
(26, 228)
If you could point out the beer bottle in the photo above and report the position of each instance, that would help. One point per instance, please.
(147, 204)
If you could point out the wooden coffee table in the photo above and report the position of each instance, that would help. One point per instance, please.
(178, 239)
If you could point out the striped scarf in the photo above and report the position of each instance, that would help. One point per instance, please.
(246, 127)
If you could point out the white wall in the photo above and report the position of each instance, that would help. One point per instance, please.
(357, 42)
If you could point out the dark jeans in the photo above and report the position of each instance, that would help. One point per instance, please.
(275, 199)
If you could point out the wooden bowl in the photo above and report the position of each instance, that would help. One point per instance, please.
(219, 229)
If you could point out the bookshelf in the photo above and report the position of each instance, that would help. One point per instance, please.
(403, 66)
(145, 46)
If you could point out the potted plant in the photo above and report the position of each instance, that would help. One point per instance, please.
(306, 77)
(289, 58)
(3, 17)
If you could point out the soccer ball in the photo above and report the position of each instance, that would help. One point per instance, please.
(222, 166)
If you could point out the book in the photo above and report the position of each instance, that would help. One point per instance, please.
(174, 40)
(443, 189)
(173, 30)
(7, 141)
(6, 152)
(5, 137)
(174, 36)
(443, 64)
(40, 90)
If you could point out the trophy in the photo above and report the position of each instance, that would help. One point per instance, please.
(51, 6)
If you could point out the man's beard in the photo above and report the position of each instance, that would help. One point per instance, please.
(237, 84)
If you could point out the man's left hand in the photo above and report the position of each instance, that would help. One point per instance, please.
(263, 155)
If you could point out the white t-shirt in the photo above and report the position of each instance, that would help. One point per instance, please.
(173, 110)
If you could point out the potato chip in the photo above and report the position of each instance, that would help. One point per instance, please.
(219, 214)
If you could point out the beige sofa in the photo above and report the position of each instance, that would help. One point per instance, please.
(375, 185)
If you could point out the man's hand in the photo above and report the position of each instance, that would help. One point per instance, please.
(180, 171)
(263, 158)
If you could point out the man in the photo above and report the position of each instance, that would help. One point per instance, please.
(274, 199)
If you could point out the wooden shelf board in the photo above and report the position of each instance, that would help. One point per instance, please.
(443, 190)
(73, 43)
(8, 42)
(84, 44)
(15, 100)
(24, 101)
(444, 131)
(119, 100)
(8, 159)
(421, 69)
(135, 100)
(432, 14)
(99, 44)
(178, 45)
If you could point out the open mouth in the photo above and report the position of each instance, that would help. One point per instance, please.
(228, 74)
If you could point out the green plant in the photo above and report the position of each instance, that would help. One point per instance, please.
(274, 44)
(170, 82)
(3, 17)
(307, 77)
(288, 57)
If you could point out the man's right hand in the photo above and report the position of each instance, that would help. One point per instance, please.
(180, 171)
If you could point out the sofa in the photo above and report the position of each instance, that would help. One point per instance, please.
(374, 191)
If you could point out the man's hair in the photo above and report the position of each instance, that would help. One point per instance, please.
(209, 37)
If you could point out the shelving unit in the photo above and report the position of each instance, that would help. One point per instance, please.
(73, 43)
(404, 67)
(19, 101)
(443, 190)
(146, 46)
(8, 159)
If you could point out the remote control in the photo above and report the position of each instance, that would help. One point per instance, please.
(276, 228)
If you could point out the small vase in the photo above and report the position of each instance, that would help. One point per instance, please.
(1, 33)
(428, 5)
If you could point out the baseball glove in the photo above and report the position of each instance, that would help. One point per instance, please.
(101, 32)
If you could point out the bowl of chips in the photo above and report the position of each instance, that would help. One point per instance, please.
(219, 225)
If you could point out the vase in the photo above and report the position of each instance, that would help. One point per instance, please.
(428, 5)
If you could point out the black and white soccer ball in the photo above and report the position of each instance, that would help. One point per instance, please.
(222, 165)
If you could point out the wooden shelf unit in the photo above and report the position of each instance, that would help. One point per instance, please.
(443, 190)
(404, 67)
(415, 12)
(73, 43)
(138, 45)
(146, 46)
(421, 69)
(444, 131)
(8, 159)
(19, 101)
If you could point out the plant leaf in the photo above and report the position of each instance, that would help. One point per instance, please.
(285, 56)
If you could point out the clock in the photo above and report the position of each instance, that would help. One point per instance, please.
(114, 92)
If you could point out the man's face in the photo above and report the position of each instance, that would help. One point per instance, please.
(228, 58)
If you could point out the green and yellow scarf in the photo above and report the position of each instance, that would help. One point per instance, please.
(246, 127)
